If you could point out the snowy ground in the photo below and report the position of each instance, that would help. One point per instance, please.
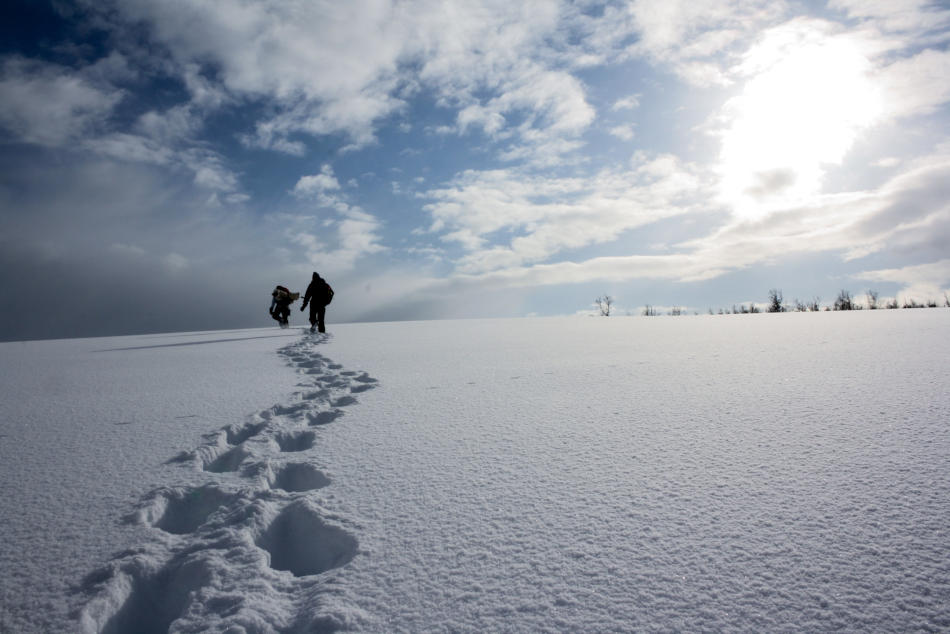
(754, 472)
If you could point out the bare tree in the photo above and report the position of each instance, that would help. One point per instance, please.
(872, 299)
(844, 301)
(604, 304)
(946, 300)
(776, 302)
(894, 303)
(649, 311)
(815, 304)
(800, 306)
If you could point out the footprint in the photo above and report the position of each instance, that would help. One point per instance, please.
(310, 396)
(298, 476)
(289, 410)
(365, 378)
(156, 599)
(296, 441)
(300, 542)
(186, 510)
(239, 435)
(356, 389)
(322, 418)
(228, 461)
(343, 401)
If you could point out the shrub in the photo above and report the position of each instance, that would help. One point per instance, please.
(844, 301)
(776, 303)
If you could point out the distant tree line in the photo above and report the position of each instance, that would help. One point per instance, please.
(776, 304)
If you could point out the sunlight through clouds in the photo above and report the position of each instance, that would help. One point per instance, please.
(808, 96)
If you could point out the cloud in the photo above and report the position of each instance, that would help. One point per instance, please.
(916, 85)
(330, 67)
(622, 132)
(51, 105)
(631, 102)
(340, 244)
(921, 282)
(355, 233)
(697, 39)
(316, 184)
(548, 215)
(176, 262)
(910, 213)
(909, 17)
(326, 69)
(127, 249)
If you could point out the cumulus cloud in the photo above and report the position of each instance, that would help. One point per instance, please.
(344, 68)
(342, 240)
(340, 244)
(316, 184)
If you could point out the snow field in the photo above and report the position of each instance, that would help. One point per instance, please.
(86, 426)
(241, 553)
(736, 473)
(760, 473)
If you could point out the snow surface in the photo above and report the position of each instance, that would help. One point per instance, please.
(754, 472)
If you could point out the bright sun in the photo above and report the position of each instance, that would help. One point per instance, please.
(808, 97)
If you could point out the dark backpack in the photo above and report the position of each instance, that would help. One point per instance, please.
(328, 292)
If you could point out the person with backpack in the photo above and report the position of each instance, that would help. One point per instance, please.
(318, 295)
(281, 299)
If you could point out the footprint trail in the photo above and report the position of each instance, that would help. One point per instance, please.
(250, 549)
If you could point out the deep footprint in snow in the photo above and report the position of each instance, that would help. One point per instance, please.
(295, 441)
(298, 477)
(289, 410)
(186, 510)
(228, 461)
(240, 434)
(343, 401)
(322, 418)
(300, 542)
(311, 396)
(156, 600)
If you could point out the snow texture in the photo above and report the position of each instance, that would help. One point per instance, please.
(748, 473)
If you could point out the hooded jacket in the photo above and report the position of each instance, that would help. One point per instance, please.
(319, 292)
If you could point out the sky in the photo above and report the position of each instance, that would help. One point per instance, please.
(163, 165)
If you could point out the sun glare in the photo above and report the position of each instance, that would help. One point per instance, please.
(808, 98)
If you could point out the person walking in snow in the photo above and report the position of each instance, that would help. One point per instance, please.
(318, 295)
(281, 299)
